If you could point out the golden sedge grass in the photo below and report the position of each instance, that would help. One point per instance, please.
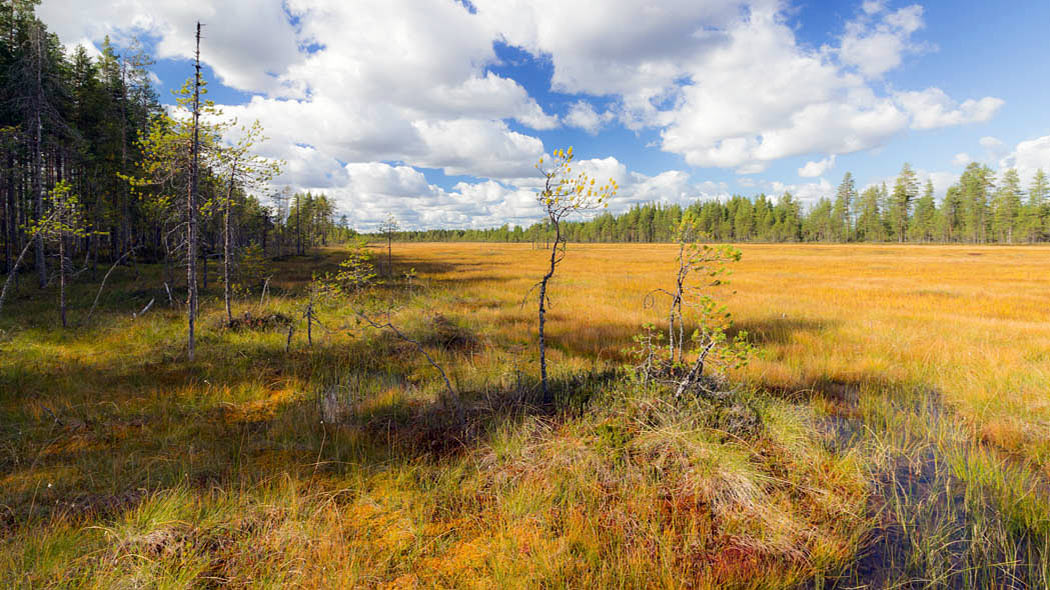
(123, 465)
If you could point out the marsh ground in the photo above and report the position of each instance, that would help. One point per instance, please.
(895, 430)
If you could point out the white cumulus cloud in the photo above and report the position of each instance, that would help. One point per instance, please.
(817, 168)
(932, 108)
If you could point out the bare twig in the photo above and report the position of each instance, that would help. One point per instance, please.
(698, 369)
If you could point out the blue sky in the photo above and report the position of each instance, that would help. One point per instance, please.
(436, 111)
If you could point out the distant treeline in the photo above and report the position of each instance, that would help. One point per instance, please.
(980, 208)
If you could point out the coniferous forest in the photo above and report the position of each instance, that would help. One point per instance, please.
(93, 169)
(980, 208)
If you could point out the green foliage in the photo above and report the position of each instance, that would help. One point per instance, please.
(965, 213)
(356, 272)
(252, 268)
(700, 268)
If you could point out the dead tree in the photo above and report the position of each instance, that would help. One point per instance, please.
(387, 228)
(191, 203)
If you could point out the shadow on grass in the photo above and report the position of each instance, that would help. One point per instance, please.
(90, 438)
(776, 329)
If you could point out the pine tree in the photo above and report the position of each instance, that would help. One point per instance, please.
(1037, 212)
(845, 200)
(869, 218)
(1008, 206)
(904, 192)
(951, 214)
(923, 223)
(976, 184)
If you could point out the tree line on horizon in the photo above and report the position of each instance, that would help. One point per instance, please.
(979, 208)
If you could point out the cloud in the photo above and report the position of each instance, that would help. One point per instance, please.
(631, 50)
(815, 169)
(249, 55)
(961, 159)
(581, 114)
(941, 181)
(932, 108)
(1028, 156)
(393, 81)
(991, 143)
(373, 190)
(409, 85)
(873, 6)
(762, 97)
(807, 193)
(876, 48)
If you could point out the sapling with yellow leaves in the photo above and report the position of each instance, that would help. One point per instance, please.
(564, 193)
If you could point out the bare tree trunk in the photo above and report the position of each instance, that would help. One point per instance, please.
(38, 156)
(125, 197)
(226, 244)
(18, 261)
(543, 313)
(298, 226)
(62, 277)
(105, 278)
(191, 206)
(9, 211)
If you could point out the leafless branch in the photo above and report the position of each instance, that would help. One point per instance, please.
(105, 278)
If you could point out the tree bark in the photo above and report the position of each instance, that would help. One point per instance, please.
(547, 398)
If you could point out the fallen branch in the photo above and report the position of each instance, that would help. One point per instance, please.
(105, 278)
(265, 291)
(11, 273)
(696, 372)
(399, 334)
(144, 310)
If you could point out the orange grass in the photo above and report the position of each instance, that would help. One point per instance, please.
(971, 323)
(124, 466)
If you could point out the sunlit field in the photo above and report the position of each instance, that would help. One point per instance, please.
(891, 430)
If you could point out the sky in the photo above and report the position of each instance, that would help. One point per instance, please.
(436, 111)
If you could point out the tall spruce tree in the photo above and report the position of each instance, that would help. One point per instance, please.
(905, 189)
(842, 212)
